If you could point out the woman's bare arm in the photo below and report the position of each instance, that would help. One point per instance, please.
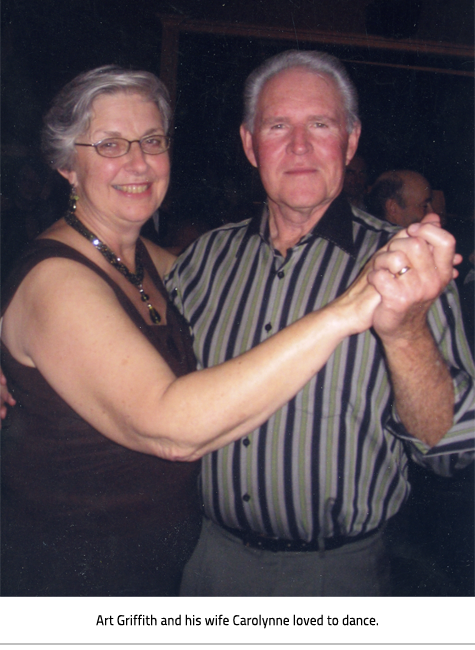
(71, 327)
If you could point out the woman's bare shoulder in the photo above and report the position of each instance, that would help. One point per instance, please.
(58, 279)
(162, 259)
(55, 285)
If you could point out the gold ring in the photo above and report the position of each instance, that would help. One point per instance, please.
(405, 269)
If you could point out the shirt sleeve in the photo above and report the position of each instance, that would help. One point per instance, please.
(457, 448)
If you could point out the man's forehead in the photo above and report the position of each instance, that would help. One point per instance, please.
(270, 116)
(295, 84)
(294, 75)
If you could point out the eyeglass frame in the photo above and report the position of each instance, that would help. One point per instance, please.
(167, 138)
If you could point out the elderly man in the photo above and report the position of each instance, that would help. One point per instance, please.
(401, 197)
(296, 508)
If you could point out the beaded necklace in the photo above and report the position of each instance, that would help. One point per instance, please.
(134, 278)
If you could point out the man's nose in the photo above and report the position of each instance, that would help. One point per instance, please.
(299, 140)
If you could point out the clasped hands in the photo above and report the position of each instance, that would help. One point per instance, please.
(409, 273)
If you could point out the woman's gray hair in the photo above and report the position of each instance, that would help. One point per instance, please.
(318, 62)
(71, 110)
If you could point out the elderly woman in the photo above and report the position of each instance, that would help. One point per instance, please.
(101, 365)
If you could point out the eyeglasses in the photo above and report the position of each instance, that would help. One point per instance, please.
(116, 147)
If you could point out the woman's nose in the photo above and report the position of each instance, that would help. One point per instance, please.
(135, 156)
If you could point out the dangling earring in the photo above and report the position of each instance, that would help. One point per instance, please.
(73, 199)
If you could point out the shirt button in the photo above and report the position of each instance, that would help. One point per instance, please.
(246, 442)
(246, 498)
(280, 275)
(174, 292)
(268, 327)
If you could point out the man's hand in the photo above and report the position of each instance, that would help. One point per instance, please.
(410, 273)
(5, 397)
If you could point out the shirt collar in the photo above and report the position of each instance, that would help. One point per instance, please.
(336, 226)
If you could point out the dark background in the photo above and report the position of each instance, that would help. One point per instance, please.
(412, 118)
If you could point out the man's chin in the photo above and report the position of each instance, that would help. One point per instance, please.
(308, 203)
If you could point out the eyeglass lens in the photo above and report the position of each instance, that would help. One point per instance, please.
(115, 147)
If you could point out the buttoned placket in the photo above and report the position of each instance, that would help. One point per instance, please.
(281, 268)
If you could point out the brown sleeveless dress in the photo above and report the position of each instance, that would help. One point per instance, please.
(82, 515)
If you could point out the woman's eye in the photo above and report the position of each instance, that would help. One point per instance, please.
(108, 145)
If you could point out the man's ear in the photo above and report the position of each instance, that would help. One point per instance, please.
(392, 209)
(353, 140)
(248, 145)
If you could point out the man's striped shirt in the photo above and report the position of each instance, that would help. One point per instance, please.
(333, 461)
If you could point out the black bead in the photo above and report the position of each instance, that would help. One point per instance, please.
(154, 315)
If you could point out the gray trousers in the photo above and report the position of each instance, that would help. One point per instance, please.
(222, 566)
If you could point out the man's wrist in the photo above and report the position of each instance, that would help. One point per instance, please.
(406, 338)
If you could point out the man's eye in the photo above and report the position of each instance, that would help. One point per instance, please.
(320, 125)
(277, 127)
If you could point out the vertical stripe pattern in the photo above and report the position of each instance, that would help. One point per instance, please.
(333, 461)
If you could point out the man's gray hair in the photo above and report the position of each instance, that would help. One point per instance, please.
(70, 114)
(318, 62)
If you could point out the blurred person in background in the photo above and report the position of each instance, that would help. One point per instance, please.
(401, 197)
